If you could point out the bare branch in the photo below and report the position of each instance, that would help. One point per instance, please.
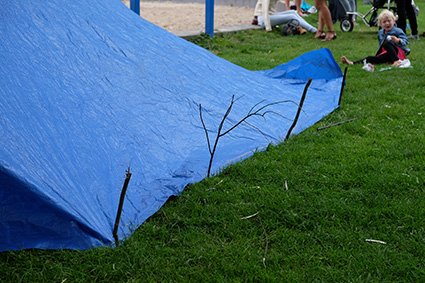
(229, 109)
(205, 128)
(255, 105)
(255, 113)
(261, 132)
(275, 113)
(256, 110)
(212, 152)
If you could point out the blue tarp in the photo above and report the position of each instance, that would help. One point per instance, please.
(89, 89)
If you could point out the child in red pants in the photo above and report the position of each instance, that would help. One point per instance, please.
(393, 44)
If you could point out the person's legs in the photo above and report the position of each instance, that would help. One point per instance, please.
(381, 59)
(267, 7)
(347, 61)
(401, 12)
(298, 7)
(257, 12)
(388, 54)
(328, 21)
(319, 33)
(325, 19)
(287, 16)
(410, 13)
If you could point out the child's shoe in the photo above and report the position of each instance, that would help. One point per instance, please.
(368, 67)
(405, 63)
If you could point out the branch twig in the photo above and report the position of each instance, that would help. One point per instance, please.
(376, 241)
(336, 124)
(250, 216)
(205, 128)
(252, 112)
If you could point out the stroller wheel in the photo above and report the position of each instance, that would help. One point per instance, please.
(346, 25)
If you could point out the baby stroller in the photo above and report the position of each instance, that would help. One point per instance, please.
(345, 12)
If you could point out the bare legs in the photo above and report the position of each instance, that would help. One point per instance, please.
(325, 20)
(345, 60)
(298, 7)
(319, 33)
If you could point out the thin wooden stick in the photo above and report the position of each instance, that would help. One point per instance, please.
(342, 86)
(376, 241)
(336, 124)
(120, 206)
(300, 106)
(250, 216)
(266, 248)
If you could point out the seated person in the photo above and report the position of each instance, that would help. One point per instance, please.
(392, 44)
(267, 18)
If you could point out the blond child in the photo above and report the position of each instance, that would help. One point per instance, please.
(392, 44)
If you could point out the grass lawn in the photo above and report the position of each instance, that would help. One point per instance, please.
(313, 201)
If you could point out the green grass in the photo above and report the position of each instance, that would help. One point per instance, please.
(317, 197)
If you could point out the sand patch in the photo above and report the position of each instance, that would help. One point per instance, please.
(190, 17)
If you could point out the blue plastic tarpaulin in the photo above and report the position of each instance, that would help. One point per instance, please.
(89, 89)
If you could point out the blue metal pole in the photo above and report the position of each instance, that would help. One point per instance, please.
(209, 17)
(135, 6)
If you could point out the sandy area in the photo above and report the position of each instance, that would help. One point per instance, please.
(181, 18)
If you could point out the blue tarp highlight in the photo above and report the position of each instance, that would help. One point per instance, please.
(88, 89)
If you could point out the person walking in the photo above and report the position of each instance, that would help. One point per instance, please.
(325, 20)
(406, 11)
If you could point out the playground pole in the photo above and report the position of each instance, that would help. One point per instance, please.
(135, 6)
(209, 17)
